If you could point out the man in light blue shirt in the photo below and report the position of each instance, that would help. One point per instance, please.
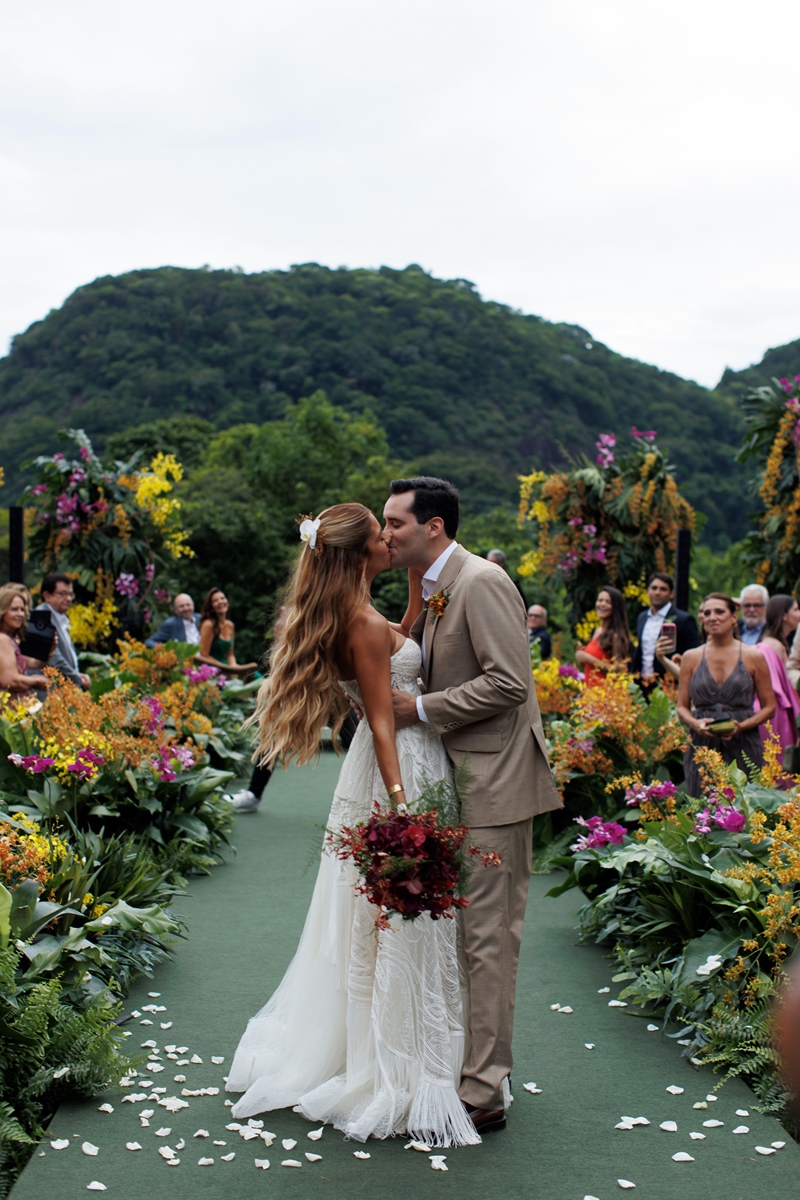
(754, 600)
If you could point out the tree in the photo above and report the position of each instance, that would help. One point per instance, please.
(244, 502)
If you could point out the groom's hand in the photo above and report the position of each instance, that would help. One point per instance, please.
(405, 709)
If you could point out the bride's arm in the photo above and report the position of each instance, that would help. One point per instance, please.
(370, 645)
(414, 602)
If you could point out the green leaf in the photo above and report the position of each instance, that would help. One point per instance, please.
(191, 825)
(5, 915)
(101, 686)
(696, 952)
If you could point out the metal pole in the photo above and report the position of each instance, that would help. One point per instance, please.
(683, 558)
(16, 545)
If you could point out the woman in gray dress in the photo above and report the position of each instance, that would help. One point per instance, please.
(718, 682)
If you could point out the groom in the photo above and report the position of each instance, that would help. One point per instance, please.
(479, 697)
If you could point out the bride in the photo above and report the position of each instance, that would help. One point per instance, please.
(366, 1030)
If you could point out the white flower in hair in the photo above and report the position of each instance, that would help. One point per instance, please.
(308, 531)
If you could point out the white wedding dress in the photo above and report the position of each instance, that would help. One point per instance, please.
(366, 1030)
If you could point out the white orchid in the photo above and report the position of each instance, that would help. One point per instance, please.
(308, 531)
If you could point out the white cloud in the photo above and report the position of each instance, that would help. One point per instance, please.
(626, 166)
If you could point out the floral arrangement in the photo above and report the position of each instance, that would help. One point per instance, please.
(611, 731)
(699, 898)
(410, 863)
(611, 521)
(557, 686)
(772, 441)
(114, 528)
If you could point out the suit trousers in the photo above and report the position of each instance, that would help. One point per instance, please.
(492, 924)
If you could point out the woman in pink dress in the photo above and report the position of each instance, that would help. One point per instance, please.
(782, 619)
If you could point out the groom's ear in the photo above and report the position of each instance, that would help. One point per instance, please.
(435, 527)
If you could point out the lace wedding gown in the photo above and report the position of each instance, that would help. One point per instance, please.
(366, 1030)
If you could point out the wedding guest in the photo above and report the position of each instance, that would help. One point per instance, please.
(184, 626)
(720, 681)
(15, 669)
(537, 630)
(782, 619)
(610, 645)
(58, 596)
(217, 633)
(665, 651)
(660, 589)
(753, 600)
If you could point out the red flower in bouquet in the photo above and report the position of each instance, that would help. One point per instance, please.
(410, 863)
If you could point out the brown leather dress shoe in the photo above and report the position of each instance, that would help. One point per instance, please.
(486, 1120)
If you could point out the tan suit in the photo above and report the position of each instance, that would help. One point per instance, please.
(480, 698)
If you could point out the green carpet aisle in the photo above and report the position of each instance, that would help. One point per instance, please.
(559, 1145)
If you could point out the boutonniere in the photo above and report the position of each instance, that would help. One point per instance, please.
(437, 603)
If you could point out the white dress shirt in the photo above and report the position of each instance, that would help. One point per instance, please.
(192, 632)
(650, 635)
(429, 581)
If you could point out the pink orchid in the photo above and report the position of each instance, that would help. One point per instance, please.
(601, 833)
(729, 818)
(32, 763)
(127, 585)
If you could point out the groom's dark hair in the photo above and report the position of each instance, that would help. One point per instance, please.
(432, 498)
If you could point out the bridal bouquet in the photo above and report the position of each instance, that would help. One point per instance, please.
(410, 862)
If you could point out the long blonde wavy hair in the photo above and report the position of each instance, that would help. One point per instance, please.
(301, 694)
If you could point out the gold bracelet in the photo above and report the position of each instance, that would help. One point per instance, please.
(395, 788)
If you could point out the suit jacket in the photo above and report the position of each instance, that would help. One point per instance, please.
(688, 636)
(65, 657)
(479, 694)
(172, 630)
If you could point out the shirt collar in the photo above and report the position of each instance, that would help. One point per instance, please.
(60, 618)
(431, 576)
(662, 612)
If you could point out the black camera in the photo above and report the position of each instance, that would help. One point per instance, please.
(40, 633)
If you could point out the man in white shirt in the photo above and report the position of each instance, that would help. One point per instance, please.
(660, 588)
(479, 697)
(183, 627)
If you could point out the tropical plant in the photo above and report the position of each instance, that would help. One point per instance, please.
(49, 1051)
(772, 442)
(613, 521)
(699, 901)
(114, 528)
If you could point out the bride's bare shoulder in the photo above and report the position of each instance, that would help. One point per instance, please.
(368, 627)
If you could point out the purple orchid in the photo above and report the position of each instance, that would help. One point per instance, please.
(127, 585)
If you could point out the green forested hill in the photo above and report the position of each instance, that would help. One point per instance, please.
(780, 361)
(463, 387)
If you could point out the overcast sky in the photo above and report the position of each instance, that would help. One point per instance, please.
(627, 166)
